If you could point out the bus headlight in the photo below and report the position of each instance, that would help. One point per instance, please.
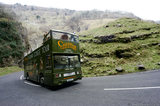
(60, 75)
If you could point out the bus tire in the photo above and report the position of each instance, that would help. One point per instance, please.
(27, 77)
(41, 81)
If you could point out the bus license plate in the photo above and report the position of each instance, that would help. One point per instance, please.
(68, 80)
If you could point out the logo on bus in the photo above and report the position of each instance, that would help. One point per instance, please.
(63, 45)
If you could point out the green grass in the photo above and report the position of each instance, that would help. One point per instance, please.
(101, 59)
(127, 24)
(149, 57)
(8, 70)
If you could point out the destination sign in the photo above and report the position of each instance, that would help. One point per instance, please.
(66, 45)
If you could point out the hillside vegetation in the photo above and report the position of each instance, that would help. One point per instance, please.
(8, 70)
(39, 20)
(12, 39)
(123, 44)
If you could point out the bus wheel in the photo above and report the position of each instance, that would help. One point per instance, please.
(41, 81)
(27, 77)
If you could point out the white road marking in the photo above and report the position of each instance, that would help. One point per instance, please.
(137, 88)
(21, 77)
(31, 84)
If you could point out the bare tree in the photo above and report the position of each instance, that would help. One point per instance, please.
(74, 23)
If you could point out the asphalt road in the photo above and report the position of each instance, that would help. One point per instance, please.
(138, 89)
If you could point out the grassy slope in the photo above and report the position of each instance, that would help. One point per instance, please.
(8, 70)
(53, 19)
(101, 59)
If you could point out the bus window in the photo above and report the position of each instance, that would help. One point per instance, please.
(62, 62)
(74, 61)
(48, 62)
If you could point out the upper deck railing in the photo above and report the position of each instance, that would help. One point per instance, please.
(58, 35)
(62, 35)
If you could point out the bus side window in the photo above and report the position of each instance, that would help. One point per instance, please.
(26, 66)
(40, 65)
(48, 62)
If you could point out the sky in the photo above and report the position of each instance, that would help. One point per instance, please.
(145, 9)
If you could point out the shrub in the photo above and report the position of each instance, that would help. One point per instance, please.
(10, 40)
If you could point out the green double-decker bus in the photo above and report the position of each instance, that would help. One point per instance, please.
(56, 62)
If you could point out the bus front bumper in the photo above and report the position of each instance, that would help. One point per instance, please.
(61, 81)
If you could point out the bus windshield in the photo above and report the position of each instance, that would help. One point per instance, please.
(63, 61)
